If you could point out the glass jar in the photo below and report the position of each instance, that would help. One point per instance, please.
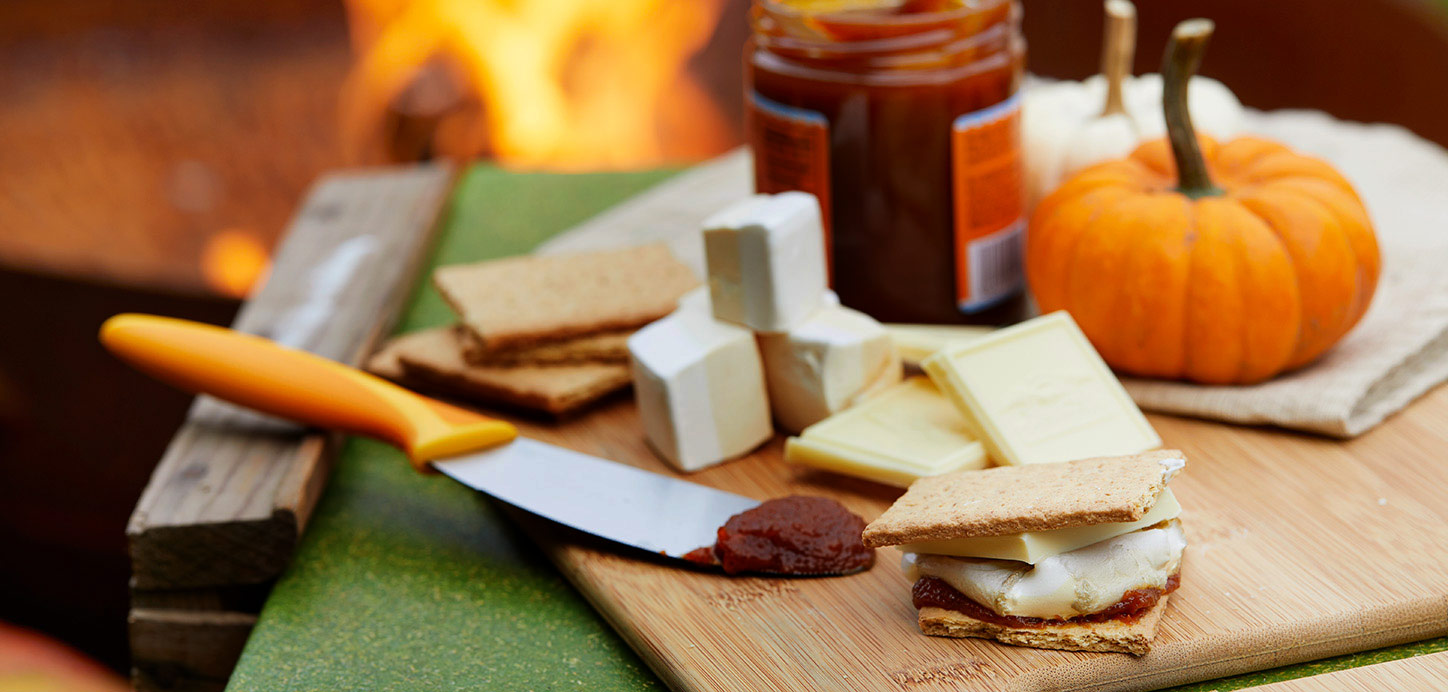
(905, 122)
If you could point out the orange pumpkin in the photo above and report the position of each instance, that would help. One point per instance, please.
(1248, 261)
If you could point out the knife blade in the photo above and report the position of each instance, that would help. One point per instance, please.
(610, 500)
(614, 501)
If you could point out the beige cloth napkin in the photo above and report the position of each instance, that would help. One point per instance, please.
(1397, 353)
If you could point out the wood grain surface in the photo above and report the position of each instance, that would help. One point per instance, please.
(1300, 548)
(231, 496)
(1425, 673)
(234, 490)
(229, 500)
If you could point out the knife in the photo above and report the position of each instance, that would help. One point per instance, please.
(614, 501)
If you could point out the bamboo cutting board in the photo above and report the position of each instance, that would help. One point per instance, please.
(1429, 672)
(1300, 547)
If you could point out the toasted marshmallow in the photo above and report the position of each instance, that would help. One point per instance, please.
(1080, 582)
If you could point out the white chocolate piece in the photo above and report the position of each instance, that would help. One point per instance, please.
(766, 261)
(700, 389)
(896, 437)
(1038, 393)
(916, 342)
(1035, 546)
(1080, 582)
(817, 368)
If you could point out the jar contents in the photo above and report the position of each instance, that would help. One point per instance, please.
(903, 119)
(795, 535)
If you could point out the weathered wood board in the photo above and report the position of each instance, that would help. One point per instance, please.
(234, 490)
(227, 503)
(1300, 548)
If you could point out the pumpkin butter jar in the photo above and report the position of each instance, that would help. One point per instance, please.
(904, 119)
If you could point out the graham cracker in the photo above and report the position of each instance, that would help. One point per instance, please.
(533, 299)
(1015, 499)
(605, 347)
(433, 358)
(1113, 635)
(385, 363)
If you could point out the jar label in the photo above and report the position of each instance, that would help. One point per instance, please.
(791, 152)
(990, 211)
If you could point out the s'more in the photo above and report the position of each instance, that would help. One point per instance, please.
(1078, 555)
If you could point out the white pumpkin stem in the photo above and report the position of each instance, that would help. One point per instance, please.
(1118, 50)
(1183, 56)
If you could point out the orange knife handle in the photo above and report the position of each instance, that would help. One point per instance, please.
(260, 374)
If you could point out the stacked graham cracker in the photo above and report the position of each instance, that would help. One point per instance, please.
(540, 333)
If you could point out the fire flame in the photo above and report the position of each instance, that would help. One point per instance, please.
(233, 262)
(553, 84)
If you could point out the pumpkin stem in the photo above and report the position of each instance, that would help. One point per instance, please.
(1183, 57)
(1117, 50)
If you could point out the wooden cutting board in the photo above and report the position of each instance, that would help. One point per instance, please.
(1300, 548)
(1429, 672)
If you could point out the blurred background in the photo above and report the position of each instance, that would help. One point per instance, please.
(151, 153)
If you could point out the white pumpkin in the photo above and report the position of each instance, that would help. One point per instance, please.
(1067, 126)
(1214, 108)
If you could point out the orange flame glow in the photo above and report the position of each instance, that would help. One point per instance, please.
(233, 262)
(555, 84)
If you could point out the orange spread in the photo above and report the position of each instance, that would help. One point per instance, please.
(901, 118)
(790, 535)
(930, 592)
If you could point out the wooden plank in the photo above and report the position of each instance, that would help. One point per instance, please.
(1428, 672)
(201, 644)
(188, 639)
(241, 598)
(234, 490)
(149, 679)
